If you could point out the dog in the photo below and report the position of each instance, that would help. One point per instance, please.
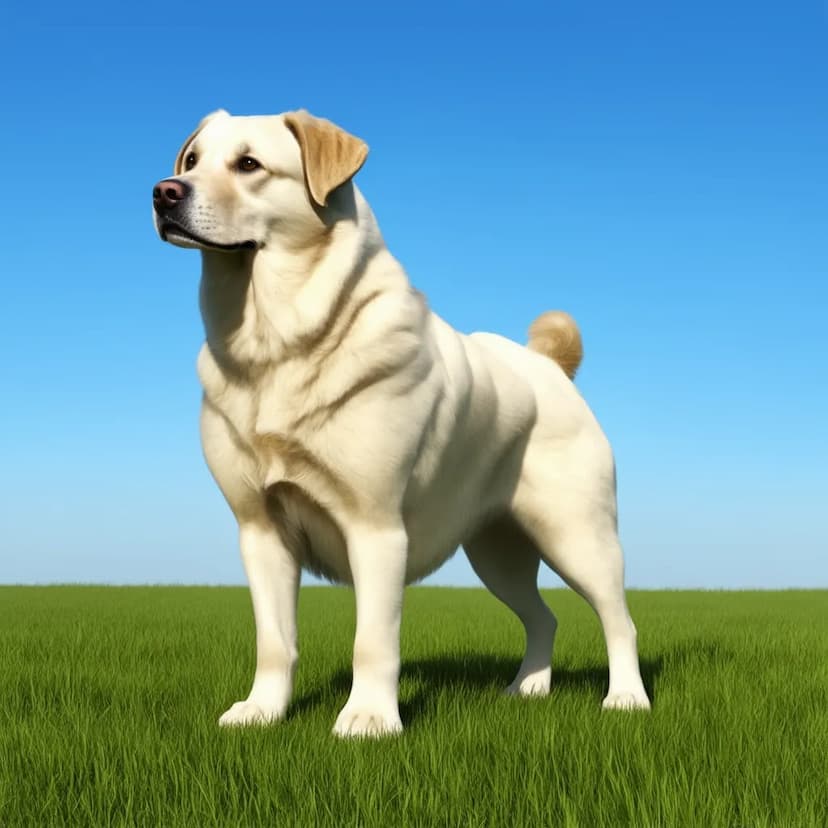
(357, 435)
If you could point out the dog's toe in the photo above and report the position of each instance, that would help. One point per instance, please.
(366, 723)
(626, 701)
(247, 713)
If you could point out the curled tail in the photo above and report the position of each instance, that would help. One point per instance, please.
(555, 335)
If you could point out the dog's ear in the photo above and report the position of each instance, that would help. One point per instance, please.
(179, 159)
(330, 156)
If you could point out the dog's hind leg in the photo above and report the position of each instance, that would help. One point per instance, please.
(586, 553)
(507, 563)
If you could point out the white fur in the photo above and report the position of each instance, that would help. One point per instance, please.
(355, 433)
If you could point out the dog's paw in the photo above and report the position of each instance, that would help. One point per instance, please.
(353, 722)
(535, 684)
(626, 701)
(244, 713)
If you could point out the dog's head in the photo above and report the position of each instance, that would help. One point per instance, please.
(242, 182)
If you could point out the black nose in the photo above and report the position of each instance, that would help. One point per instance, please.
(169, 193)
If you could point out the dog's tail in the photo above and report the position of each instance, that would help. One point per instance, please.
(555, 335)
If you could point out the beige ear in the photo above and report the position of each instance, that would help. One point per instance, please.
(179, 159)
(330, 155)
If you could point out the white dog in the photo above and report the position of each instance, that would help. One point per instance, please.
(355, 434)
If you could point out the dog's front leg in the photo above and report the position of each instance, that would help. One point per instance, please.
(378, 560)
(273, 574)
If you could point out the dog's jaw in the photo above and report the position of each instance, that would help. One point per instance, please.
(174, 233)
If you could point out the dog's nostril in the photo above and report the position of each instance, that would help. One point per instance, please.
(172, 194)
(156, 192)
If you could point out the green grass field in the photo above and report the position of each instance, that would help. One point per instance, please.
(110, 698)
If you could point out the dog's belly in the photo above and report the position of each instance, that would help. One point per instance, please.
(325, 554)
(322, 548)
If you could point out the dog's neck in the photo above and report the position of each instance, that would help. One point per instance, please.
(264, 306)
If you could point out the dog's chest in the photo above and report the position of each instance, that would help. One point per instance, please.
(265, 410)
(272, 458)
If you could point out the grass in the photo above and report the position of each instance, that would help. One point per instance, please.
(110, 698)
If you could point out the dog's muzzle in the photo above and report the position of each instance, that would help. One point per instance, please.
(170, 200)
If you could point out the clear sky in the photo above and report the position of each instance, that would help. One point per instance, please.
(659, 170)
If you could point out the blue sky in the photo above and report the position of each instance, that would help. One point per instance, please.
(658, 171)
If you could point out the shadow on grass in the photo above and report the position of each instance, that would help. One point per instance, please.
(487, 673)
(484, 673)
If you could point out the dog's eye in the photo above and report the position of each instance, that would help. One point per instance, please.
(247, 164)
(190, 161)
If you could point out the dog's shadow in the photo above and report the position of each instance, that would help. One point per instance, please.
(478, 674)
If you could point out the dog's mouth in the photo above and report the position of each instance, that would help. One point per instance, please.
(174, 233)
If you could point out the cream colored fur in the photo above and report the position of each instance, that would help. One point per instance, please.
(356, 434)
